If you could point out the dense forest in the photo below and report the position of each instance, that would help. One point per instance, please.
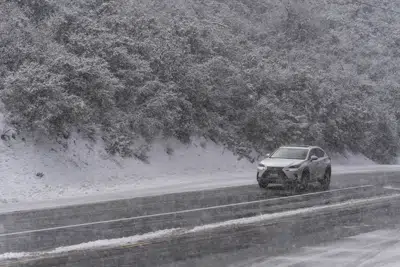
(247, 74)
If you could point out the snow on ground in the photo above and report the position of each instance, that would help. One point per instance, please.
(350, 159)
(39, 170)
(85, 168)
(91, 245)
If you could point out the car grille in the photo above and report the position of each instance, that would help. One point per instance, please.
(274, 174)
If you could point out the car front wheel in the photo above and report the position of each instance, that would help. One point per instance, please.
(262, 185)
(303, 183)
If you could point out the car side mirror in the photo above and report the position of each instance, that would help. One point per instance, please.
(268, 155)
(313, 157)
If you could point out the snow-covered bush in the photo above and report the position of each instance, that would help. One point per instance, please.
(246, 74)
(37, 101)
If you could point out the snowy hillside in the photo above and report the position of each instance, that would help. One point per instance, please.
(48, 169)
(248, 75)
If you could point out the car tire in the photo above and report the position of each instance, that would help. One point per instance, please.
(326, 180)
(262, 185)
(302, 185)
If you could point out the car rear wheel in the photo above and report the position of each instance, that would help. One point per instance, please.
(326, 181)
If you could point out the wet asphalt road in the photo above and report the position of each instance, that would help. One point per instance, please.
(372, 249)
(17, 221)
(29, 231)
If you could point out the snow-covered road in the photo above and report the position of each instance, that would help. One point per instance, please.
(374, 249)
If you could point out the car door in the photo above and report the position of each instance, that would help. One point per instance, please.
(313, 165)
(325, 163)
(320, 163)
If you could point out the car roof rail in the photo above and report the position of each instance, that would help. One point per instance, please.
(297, 145)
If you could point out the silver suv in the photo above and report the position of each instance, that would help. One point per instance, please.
(295, 167)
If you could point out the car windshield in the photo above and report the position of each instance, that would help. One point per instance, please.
(290, 153)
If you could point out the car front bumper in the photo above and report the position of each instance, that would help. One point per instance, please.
(277, 175)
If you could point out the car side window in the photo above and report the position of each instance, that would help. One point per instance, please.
(313, 152)
(320, 153)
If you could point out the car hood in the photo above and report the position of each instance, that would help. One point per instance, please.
(270, 162)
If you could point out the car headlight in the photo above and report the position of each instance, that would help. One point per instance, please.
(261, 166)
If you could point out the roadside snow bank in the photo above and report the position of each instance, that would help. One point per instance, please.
(351, 159)
(32, 170)
(42, 170)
